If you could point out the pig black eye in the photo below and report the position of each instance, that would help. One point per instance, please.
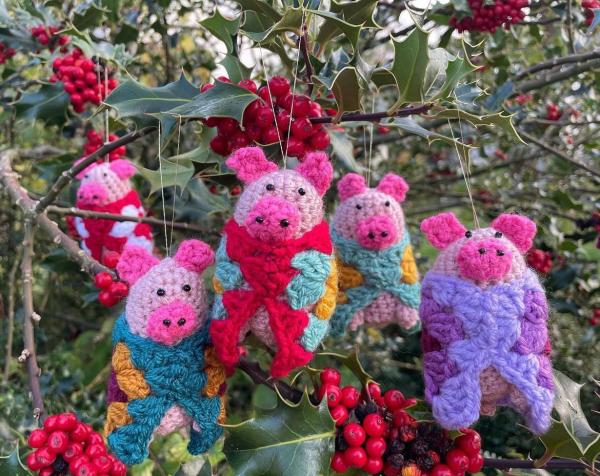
(187, 288)
(301, 191)
(104, 174)
(498, 234)
(387, 204)
(468, 234)
(270, 187)
(160, 292)
(86, 176)
(358, 207)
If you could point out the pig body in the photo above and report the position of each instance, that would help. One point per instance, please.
(165, 375)
(484, 314)
(275, 275)
(378, 275)
(105, 187)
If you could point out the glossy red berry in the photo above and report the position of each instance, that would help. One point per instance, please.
(331, 376)
(95, 450)
(86, 469)
(279, 86)
(302, 128)
(95, 438)
(393, 399)
(239, 140)
(300, 106)
(227, 126)
(294, 147)
(270, 136)
(81, 432)
(265, 95)
(219, 145)
(110, 259)
(355, 456)
(374, 389)
(254, 132)
(58, 441)
(248, 84)
(338, 464)
(332, 393)
(102, 464)
(264, 117)
(106, 298)
(354, 434)
(375, 446)
(32, 462)
(44, 456)
(373, 466)
(374, 424)
(441, 470)
(118, 469)
(320, 140)
(47, 471)
(475, 463)
(390, 470)
(457, 460)
(73, 450)
(340, 414)
(235, 190)
(469, 443)
(118, 290)
(350, 396)
(37, 438)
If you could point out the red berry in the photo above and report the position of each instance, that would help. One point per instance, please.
(102, 464)
(118, 290)
(389, 470)
(248, 84)
(250, 112)
(206, 87)
(69, 87)
(265, 95)
(340, 414)
(376, 446)
(37, 438)
(279, 86)
(224, 79)
(110, 259)
(374, 424)
(51, 423)
(333, 392)
(300, 106)
(374, 389)
(270, 136)
(58, 441)
(320, 140)
(441, 470)
(106, 298)
(95, 450)
(73, 450)
(77, 462)
(350, 396)
(354, 434)
(283, 121)
(47, 471)
(95, 438)
(373, 466)
(103, 280)
(331, 376)
(212, 121)
(475, 463)
(86, 469)
(264, 117)
(118, 469)
(355, 457)
(393, 399)
(315, 109)
(254, 132)
(302, 128)
(457, 460)
(32, 462)
(81, 432)
(294, 147)
(44, 456)
(235, 190)
(227, 126)
(338, 464)
(239, 140)
(469, 443)
(219, 145)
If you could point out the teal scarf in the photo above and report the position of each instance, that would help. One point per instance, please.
(381, 272)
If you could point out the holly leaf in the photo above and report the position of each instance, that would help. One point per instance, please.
(456, 69)
(172, 172)
(345, 86)
(290, 21)
(224, 100)
(261, 7)
(292, 440)
(236, 70)
(334, 26)
(343, 149)
(358, 13)
(499, 120)
(48, 104)
(351, 361)
(12, 465)
(223, 28)
(87, 15)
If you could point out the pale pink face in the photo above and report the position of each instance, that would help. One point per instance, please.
(484, 256)
(278, 205)
(167, 300)
(104, 183)
(372, 217)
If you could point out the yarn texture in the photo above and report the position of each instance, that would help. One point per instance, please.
(378, 277)
(165, 376)
(484, 314)
(276, 275)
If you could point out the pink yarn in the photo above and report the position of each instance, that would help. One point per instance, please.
(92, 194)
(519, 229)
(250, 164)
(395, 186)
(123, 168)
(484, 260)
(172, 322)
(273, 219)
(377, 232)
(102, 176)
(442, 229)
(318, 170)
(350, 185)
(194, 255)
(134, 262)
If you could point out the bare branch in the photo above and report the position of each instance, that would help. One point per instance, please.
(556, 77)
(569, 59)
(10, 314)
(259, 376)
(374, 116)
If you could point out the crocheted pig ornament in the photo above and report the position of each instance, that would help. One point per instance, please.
(275, 274)
(105, 187)
(378, 275)
(484, 314)
(165, 376)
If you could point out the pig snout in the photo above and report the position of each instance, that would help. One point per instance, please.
(273, 219)
(92, 194)
(172, 322)
(484, 260)
(377, 232)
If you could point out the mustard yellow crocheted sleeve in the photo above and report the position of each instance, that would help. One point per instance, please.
(326, 304)
(349, 276)
(217, 286)
(215, 378)
(130, 379)
(410, 274)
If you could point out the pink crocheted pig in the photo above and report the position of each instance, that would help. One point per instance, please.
(105, 187)
(484, 314)
(275, 273)
(165, 376)
(379, 282)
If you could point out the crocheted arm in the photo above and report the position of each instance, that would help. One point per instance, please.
(326, 304)
(307, 287)
(227, 273)
(349, 276)
(215, 383)
(534, 332)
(129, 379)
(410, 274)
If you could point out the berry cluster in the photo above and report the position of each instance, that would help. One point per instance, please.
(82, 78)
(540, 260)
(6, 53)
(111, 291)
(376, 434)
(66, 445)
(553, 112)
(488, 17)
(589, 7)
(523, 99)
(270, 119)
(47, 36)
(95, 141)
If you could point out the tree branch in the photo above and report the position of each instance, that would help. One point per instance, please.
(554, 463)
(554, 78)
(575, 58)
(303, 45)
(373, 116)
(259, 376)
(10, 314)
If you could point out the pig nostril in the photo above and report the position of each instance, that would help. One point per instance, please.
(371, 235)
(384, 234)
(481, 251)
(94, 197)
(284, 223)
(181, 322)
(167, 322)
(259, 219)
(500, 252)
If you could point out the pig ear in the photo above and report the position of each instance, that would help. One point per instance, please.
(194, 255)
(134, 263)
(250, 164)
(81, 174)
(318, 170)
(123, 168)
(394, 185)
(350, 185)
(517, 228)
(442, 229)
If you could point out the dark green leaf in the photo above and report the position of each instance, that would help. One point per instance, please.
(87, 15)
(223, 28)
(500, 120)
(262, 7)
(287, 440)
(343, 149)
(176, 172)
(346, 89)
(352, 361)
(236, 70)
(11, 465)
(48, 104)
(503, 92)
(334, 26)
(564, 200)
(291, 21)
(127, 33)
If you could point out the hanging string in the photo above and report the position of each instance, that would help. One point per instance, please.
(266, 74)
(106, 132)
(162, 190)
(105, 114)
(371, 127)
(175, 186)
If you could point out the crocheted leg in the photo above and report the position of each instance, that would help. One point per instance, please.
(205, 413)
(130, 442)
(457, 404)
(358, 298)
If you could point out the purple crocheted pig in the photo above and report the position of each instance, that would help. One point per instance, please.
(484, 313)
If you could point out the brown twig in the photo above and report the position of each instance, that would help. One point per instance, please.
(569, 59)
(303, 45)
(115, 217)
(10, 314)
(373, 116)
(556, 77)
(259, 376)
